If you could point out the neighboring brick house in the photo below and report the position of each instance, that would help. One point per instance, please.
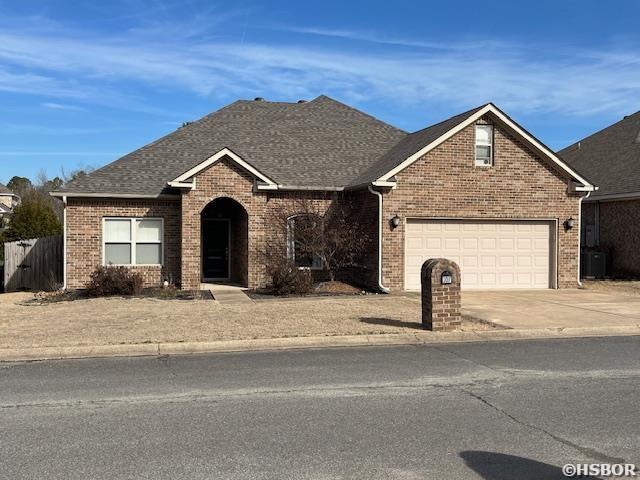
(195, 205)
(611, 215)
(8, 201)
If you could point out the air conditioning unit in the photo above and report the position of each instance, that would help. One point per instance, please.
(593, 264)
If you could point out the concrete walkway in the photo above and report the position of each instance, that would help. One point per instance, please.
(227, 294)
(553, 308)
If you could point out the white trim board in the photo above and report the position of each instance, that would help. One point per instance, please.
(489, 108)
(182, 181)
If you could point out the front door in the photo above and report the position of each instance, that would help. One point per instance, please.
(215, 249)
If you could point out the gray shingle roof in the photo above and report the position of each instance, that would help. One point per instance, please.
(409, 145)
(609, 158)
(321, 143)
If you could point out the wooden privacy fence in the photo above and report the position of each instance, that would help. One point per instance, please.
(34, 264)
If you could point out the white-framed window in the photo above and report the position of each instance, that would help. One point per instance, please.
(484, 145)
(132, 241)
(298, 254)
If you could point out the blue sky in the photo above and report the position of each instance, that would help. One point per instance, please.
(82, 83)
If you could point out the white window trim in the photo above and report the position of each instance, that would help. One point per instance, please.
(291, 251)
(132, 242)
(477, 143)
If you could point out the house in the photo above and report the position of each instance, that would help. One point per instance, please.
(193, 206)
(8, 201)
(611, 215)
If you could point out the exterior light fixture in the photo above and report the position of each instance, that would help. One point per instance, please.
(569, 223)
(395, 221)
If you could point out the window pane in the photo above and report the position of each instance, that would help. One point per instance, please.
(303, 259)
(148, 230)
(483, 134)
(148, 253)
(483, 152)
(117, 253)
(117, 230)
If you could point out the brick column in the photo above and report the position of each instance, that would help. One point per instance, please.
(440, 295)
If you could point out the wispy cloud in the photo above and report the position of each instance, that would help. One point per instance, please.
(117, 71)
(62, 106)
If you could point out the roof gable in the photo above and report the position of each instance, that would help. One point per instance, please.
(186, 178)
(420, 143)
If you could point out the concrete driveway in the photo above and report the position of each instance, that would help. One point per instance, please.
(553, 308)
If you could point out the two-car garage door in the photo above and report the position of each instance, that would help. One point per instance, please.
(491, 254)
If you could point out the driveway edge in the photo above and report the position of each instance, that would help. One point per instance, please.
(227, 346)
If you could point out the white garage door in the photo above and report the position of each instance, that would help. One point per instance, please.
(491, 255)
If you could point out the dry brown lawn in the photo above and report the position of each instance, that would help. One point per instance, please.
(622, 287)
(107, 321)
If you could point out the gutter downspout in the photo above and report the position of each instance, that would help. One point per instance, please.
(580, 234)
(64, 243)
(382, 288)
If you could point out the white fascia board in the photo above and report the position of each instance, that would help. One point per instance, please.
(268, 187)
(175, 184)
(490, 108)
(384, 183)
(225, 152)
(578, 187)
(563, 166)
(413, 158)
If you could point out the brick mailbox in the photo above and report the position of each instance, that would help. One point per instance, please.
(440, 295)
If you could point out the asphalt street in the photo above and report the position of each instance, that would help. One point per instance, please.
(498, 410)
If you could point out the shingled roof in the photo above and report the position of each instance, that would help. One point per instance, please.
(4, 190)
(610, 157)
(321, 143)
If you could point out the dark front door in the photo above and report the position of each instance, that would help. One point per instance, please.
(215, 249)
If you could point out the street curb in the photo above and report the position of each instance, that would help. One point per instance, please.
(228, 346)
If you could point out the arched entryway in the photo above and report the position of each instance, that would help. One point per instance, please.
(224, 242)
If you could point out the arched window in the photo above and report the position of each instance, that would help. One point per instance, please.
(304, 233)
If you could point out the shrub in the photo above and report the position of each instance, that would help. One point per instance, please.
(33, 218)
(111, 280)
(286, 278)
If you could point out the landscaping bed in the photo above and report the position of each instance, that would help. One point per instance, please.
(169, 293)
(321, 289)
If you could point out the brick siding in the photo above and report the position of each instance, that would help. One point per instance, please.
(84, 236)
(619, 234)
(445, 183)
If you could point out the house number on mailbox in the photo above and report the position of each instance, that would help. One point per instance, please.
(446, 278)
